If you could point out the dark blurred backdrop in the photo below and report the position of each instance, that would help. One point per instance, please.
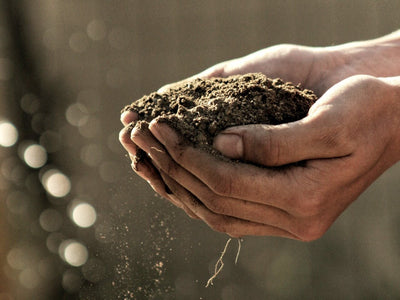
(76, 223)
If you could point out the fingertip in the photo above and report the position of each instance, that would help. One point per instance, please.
(126, 141)
(129, 116)
(140, 128)
(124, 135)
(162, 131)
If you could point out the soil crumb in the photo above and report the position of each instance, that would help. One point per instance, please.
(202, 108)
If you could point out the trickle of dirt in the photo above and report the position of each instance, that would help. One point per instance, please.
(202, 108)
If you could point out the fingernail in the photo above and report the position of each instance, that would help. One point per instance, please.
(127, 116)
(229, 144)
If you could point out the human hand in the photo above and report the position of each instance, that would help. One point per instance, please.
(315, 68)
(346, 142)
(277, 61)
(290, 62)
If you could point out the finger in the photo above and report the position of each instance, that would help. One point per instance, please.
(232, 226)
(143, 166)
(142, 137)
(222, 176)
(125, 139)
(177, 193)
(128, 116)
(145, 140)
(228, 206)
(314, 137)
(215, 211)
(146, 170)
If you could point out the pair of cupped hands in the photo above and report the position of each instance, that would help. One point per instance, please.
(348, 139)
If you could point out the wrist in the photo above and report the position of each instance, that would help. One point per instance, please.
(393, 87)
(377, 57)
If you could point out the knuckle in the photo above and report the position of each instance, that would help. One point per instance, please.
(332, 135)
(272, 149)
(331, 138)
(221, 182)
(337, 138)
(216, 205)
(222, 186)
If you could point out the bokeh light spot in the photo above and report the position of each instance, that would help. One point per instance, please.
(18, 202)
(56, 183)
(73, 252)
(54, 241)
(50, 220)
(72, 281)
(30, 103)
(17, 259)
(76, 114)
(91, 128)
(51, 140)
(35, 156)
(29, 278)
(84, 215)
(96, 30)
(8, 134)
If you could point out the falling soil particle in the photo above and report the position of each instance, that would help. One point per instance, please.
(202, 108)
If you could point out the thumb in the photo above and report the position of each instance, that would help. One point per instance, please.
(277, 145)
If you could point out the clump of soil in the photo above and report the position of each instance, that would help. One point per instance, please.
(202, 108)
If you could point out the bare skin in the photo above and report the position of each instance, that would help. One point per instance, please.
(349, 138)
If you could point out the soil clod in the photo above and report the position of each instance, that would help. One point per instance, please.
(202, 108)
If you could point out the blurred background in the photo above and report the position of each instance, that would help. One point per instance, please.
(76, 223)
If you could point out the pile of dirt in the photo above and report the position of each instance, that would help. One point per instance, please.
(202, 108)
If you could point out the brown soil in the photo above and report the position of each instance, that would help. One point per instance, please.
(202, 108)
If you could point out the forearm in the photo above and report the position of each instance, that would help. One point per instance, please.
(378, 57)
(394, 91)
